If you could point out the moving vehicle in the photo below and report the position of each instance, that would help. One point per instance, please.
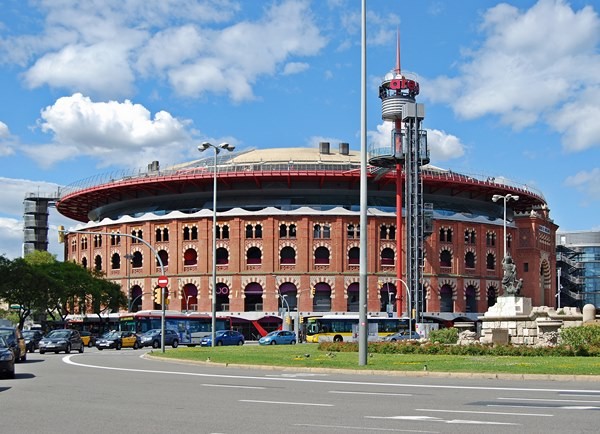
(61, 340)
(224, 337)
(190, 327)
(118, 340)
(278, 337)
(7, 360)
(344, 328)
(402, 336)
(89, 340)
(32, 339)
(15, 341)
(152, 338)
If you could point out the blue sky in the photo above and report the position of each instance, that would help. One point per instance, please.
(510, 88)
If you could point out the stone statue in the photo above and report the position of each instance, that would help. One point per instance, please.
(510, 284)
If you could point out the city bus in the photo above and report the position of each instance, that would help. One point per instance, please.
(338, 328)
(191, 327)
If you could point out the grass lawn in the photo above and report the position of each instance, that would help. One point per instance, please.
(309, 356)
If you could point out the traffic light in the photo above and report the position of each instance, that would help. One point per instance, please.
(61, 234)
(288, 319)
(312, 291)
(157, 295)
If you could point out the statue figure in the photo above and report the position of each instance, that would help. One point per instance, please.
(510, 284)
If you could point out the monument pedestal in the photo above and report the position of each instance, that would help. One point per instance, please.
(509, 306)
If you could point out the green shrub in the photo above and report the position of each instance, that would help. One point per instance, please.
(579, 337)
(444, 336)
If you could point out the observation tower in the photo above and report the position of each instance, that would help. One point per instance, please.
(407, 152)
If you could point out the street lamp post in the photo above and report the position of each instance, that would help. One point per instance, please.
(128, 257)
(283, 298)
(203, 147)
(505, 198)
(409, 304)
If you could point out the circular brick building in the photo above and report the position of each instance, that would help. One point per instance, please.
(288, 232)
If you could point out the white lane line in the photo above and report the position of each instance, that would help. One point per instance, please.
(364, 428)
(549, 400)
(552, 407)
(437, 419)
(370, 393)
(484, 412)
(580, 395)
(256, 401)
(233, 386)
(68, 360)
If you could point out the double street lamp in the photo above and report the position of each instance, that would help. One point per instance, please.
(128, 257)
(505, 198)
(217, 148)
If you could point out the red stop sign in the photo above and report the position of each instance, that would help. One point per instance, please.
(163, 281)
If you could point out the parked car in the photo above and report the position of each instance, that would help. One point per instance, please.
(402, 336)
(7, 360)
(278, 337)
(118, 340)
(15, 341)
(61, 340)
(32, 339)
(223, 337)
(152, 338)
(89, 340)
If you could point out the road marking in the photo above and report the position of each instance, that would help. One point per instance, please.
(69, 360)
(437, 419)
(554, 407)
(313, 404)
(549, 400)
(233, 387)
(364, 428)
(484, 412)
(370, 393)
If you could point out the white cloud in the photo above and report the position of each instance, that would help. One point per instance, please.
(533, 66)
(102, 48)
(11, 237)
(6, 148)
(442, 146)
(295, 68)
(109, 131)
(587, 182)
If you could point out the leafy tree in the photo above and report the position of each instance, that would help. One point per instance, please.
(23, 286)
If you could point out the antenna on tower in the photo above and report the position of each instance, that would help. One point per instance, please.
(398, 70)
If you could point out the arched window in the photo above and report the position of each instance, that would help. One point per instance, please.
(287, 255)
(98, 263)
(470, 260)
(354, 256)
(84, 263)
(491, 296)
(158, 235)
(115, 261)
(322, 255)
(166, 234)
(190, 257)
(446, 302)
(470, 299)
(445, 258)
(254, 256)
(222, 256)
(136, 261)
(249, 231)
(164, 257)
(387, 256)
(490, 261)
(258, 231)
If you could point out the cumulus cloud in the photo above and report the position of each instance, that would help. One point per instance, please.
(109, 131)
(442, 146)
(102, 48)
(295, 68)
(6, 147)
(534, 65)
(587, 182)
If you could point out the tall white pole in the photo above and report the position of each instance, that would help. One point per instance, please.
(214, 253)
(363, 337)
(505, 200)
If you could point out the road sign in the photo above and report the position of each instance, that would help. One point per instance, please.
(163, 281)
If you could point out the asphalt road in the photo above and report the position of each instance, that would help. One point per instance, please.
(121, 391)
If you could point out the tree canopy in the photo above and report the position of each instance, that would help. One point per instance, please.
(39, 283)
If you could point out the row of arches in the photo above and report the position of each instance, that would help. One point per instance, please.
(188, 297)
